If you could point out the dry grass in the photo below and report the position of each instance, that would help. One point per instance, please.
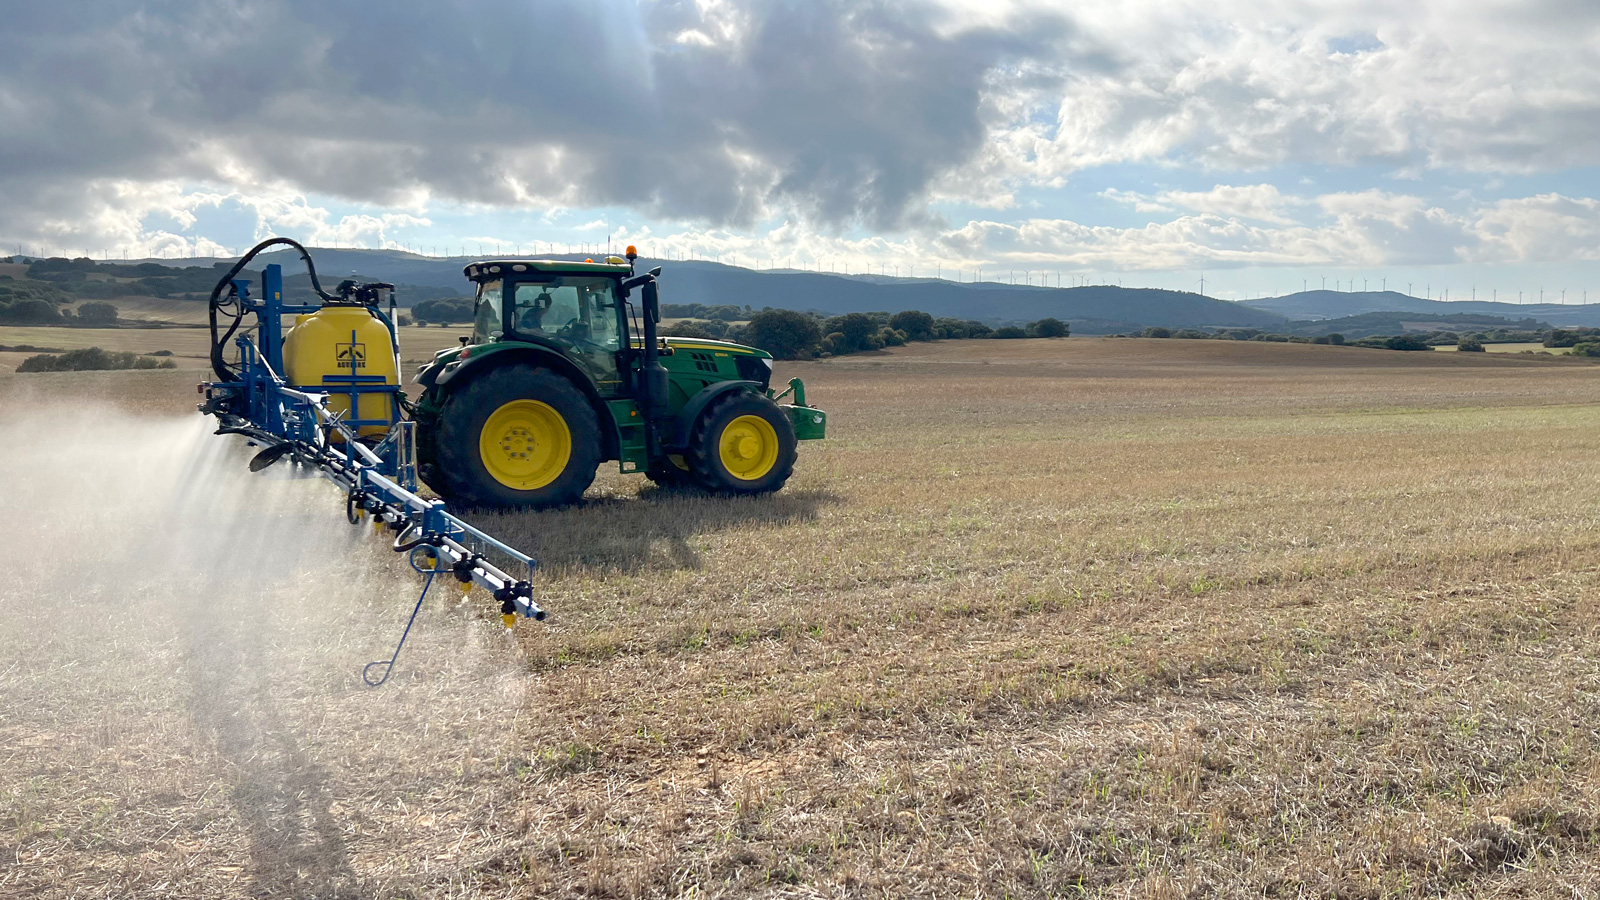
(1117, 617)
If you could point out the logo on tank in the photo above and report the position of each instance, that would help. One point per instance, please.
(353, 356)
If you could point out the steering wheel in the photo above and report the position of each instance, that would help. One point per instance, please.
(574, 329)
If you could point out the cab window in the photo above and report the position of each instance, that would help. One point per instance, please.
(577, 308)
(486, 313)
(578, 312)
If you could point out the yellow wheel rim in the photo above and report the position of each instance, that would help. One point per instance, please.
(525, 445)
(748, 447)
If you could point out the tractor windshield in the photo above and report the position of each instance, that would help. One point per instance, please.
(486, 313)
(576, 308)
(578, 312)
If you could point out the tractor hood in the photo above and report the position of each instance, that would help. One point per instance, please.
(728, 347)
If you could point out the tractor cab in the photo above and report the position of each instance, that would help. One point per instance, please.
(564, 369)
(574, 309)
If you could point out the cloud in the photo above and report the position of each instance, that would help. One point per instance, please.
(728, 113)
(1231, 85)
(831, 129)
(1262, 202)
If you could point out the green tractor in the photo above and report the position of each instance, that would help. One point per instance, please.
(559, 376)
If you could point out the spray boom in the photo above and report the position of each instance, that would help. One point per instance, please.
(335, 405)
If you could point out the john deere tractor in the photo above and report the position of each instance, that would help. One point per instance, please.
(562, 372)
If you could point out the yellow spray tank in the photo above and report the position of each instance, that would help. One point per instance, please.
(341, 348)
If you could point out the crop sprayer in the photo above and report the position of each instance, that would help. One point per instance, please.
(558, 375)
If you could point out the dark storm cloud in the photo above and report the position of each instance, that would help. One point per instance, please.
(840, 112)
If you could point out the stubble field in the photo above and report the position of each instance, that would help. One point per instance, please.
(1116, 617)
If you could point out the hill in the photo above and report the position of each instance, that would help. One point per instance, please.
(1380, 323)
(1097, 309)
(1338, 304)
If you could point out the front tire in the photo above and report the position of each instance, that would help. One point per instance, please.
(742, 444)
(517, 436)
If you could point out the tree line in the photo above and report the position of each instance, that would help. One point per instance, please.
(788, 334)
(1582, 341)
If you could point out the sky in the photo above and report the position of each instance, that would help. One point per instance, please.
(1255, 147)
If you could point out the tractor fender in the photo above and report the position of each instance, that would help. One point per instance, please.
(456, 374)
(698, 403)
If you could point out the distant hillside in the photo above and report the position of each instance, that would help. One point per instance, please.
(1337, 304)
(1385, 323)
(1089, 310)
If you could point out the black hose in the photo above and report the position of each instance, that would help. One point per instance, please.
(219, 342)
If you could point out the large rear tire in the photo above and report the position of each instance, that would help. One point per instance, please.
(518, 436)
(742, 444)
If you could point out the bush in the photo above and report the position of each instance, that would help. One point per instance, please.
(1009, 332)
(1157, 332)
(1561, 337)
(1469, 345)
(1585, 348)
(851, 333)
(702, 311)
(159, 353)
(710, 329)
(91, 360)
(446, 311)
(784, 333)
(1336, 339)
(98, 313)
(915, 324)
(30, 311)
(1049, 328)
(1406, 342)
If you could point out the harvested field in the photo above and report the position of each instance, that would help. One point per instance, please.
(1116, 617)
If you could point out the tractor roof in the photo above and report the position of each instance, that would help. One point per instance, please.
(491, 267)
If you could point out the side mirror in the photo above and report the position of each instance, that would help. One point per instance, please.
(656, 272)
(652, 303)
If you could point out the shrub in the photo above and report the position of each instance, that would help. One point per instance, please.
(916, 325)
(1157, 332)
(29, 311)
(1469, 345)
(1585, 348)
(1336, 338)
(1009, 332)
(1049, 328)
(1406, 342)
(98, 313)
(784, 333)
(851, 333)
(446, 311)
(698, 328)
(93, 359)
(1561, 337)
